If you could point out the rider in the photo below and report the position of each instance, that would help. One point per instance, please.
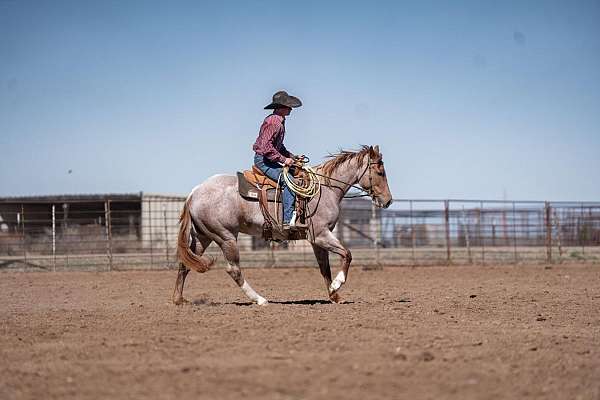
(271, 155)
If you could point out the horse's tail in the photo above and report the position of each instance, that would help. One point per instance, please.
(184, 253)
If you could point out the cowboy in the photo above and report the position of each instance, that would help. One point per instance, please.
(271, 155)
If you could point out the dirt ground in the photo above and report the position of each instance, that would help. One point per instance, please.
(501, 332)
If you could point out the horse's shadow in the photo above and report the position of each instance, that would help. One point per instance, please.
(307, 302)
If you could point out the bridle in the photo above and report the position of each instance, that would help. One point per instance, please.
(370, 192)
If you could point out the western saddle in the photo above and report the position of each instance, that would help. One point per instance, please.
(255, 185)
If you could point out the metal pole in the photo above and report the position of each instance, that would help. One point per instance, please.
(548, 216)
(514, 224)
(108, 233)
(150, 229)
(53, 238)
(467, 238)
(65, 232)
(166, 234)
(481, 238)
(558, 236)
(582, 230)
(412, 233)
(447, 223)
(23, 232)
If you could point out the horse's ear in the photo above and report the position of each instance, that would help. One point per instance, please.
(376, 149)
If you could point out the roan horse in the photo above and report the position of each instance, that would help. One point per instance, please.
(215, 212)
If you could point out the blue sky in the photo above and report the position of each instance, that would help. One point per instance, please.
(466, 99)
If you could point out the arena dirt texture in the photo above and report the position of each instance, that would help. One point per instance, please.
(502, 332)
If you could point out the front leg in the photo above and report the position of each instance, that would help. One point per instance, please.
(327, 241)
(322, 256)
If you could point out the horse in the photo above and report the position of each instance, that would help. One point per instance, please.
(214, 211)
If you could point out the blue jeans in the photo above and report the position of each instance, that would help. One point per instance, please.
(272, 170)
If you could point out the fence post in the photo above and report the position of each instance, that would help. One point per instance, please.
(548, 218)
(558, 236)
(514, 224)
(65, 237)
(413, 235)
(150, 229)
(53, 238)
(582, 227)
(467, 238)
(482, 238)
(447, 220)
(107, 224)
(166, 234)
(23, 232)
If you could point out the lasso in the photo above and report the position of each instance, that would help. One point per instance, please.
(313, 184)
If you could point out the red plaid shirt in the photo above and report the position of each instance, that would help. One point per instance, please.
(270, 139)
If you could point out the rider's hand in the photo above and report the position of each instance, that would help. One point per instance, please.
(288, 162)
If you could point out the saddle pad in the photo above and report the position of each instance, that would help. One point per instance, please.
(251, 192)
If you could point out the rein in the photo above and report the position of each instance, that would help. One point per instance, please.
(366, 193)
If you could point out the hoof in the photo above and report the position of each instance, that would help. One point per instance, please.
(180, 301)
(335, 298)
(262, 301)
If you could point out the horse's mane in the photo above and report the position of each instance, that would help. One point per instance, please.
(337, 159)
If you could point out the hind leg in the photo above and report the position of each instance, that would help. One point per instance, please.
(232, 255)
(198, 246)
(178, 293)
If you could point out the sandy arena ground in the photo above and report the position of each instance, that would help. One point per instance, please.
(421, 333)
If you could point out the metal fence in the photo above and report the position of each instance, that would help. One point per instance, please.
(126, 232)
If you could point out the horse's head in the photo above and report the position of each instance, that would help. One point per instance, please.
(374, 179)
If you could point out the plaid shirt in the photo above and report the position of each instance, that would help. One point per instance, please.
(270, 139)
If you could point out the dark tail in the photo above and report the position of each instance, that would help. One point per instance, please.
(184, 253)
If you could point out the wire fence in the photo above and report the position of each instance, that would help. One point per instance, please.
(140, 231)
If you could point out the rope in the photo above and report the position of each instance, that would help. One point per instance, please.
(312, 186)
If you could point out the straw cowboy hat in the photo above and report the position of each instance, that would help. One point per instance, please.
(281, 98)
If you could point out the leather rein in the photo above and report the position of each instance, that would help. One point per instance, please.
(370, 192)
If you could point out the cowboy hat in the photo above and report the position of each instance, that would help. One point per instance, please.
(281, 98)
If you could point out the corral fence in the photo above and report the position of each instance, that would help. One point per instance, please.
(105, 232)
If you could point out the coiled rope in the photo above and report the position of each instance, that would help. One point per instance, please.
(312, 184)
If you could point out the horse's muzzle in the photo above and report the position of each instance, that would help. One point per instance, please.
(379, 203)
